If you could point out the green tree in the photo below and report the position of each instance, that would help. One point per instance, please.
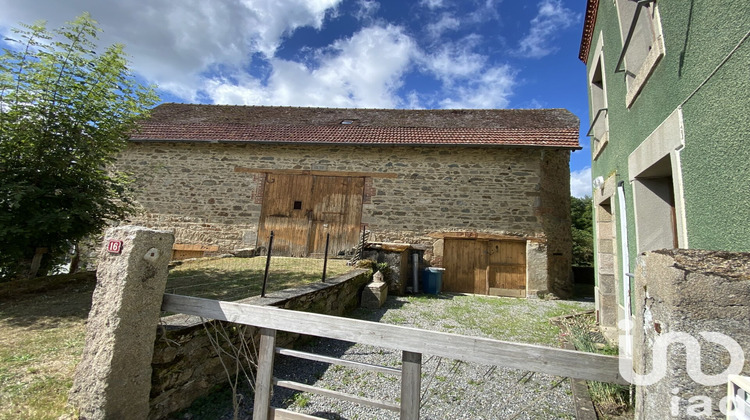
(582, 231)
(65, 112)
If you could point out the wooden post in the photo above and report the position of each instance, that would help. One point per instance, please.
(411, 383)
(264, 376)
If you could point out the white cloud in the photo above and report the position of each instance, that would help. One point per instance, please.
(551, 18)
(362, 71)
(366, 9)
(468, 80)
(173, 45)
(433, 4)
(580, 183)
(484, 11)
(490, 89)
(454, 61)
(447, 22)
(200, 51)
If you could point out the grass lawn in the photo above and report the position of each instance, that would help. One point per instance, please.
(42, 322)
(237, 278)
(42, 329)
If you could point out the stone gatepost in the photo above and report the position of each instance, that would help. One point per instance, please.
(692, 329)
(113, 379)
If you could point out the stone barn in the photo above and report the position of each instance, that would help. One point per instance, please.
(485, 192)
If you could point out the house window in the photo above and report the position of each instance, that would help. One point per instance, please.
(655, 204)
(297, 205)
(658, 198)
(599, 129)
(643, 43)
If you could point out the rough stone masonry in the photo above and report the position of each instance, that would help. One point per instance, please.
(113, 379)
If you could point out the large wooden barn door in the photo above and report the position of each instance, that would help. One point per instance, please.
(336, 210)
(481, 266)
(286, 201)
(301, 209)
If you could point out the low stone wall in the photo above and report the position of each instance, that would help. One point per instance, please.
(186, 365)
(680, 295)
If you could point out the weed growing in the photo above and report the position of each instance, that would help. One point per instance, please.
(609, 399)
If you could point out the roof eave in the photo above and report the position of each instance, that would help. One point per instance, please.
(589, 22)
(374, 144)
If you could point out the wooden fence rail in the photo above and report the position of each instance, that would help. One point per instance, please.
(411, 342)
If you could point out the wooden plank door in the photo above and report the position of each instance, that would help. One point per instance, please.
(485, 267)
(337, 210)
(286, 211)
(301, 209)
(507, 268)
(465, 262)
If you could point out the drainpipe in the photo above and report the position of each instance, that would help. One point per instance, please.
(625, 273)
(415, 265)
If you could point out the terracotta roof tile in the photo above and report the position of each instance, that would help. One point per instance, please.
(216, 123)
(589, 23)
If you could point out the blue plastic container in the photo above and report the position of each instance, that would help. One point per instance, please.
(432, 280)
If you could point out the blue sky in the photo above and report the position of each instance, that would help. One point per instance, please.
(347, 53)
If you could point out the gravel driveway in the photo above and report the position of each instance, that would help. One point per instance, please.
(450, 389)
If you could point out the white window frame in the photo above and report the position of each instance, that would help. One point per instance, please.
(637, 78)
(599, 129)
(667, 140)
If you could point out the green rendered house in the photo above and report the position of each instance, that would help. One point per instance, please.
(669, 99)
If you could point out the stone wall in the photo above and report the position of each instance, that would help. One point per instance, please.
(554, 211)
(689, 292)
(186, 365)
(194, 190)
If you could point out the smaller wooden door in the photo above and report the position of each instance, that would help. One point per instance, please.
(506, 269)
(482, 266)
(465, 264)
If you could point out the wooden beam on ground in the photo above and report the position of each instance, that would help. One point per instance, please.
(281, 414)
(315, 173)
(338, 395)
(195, 247)
(482, 235)
(553, 361)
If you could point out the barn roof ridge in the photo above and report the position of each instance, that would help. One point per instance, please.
(172, 122)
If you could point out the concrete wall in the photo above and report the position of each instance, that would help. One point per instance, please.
(193, 189)
(691, 292)
(186, 366)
